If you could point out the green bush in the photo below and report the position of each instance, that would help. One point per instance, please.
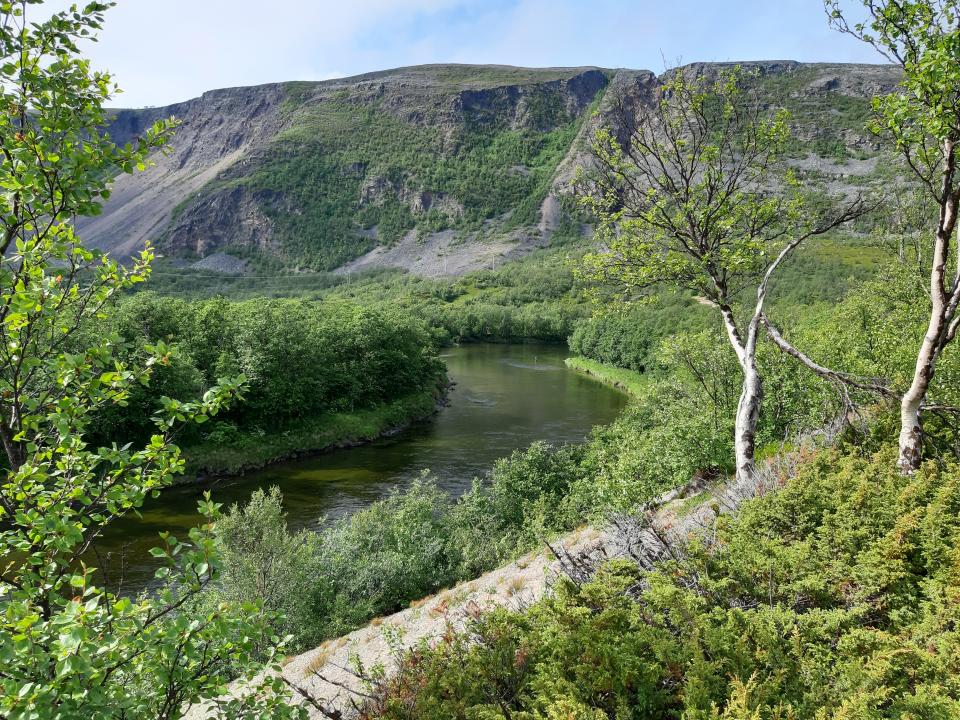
(876, 331)
(399, 549)
(380, 558)
(835, 597)
(301, 359)
(262, 560)
(629, 337)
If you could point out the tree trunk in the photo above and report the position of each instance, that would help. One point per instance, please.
(943, 305)
(748, 413)
(911, 428)
(13, 449)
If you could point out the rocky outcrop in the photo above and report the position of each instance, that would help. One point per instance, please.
(541, 106)
(234, 217)
(224, 184)
(377, 189)
(216, 131)
(195, 200)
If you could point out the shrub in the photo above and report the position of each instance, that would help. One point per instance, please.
(834, 597)
(263, 560)
(302, 359)
(382, 557)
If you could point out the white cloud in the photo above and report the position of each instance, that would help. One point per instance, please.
(175, 49)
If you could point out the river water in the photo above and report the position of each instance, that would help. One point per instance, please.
(504, 398)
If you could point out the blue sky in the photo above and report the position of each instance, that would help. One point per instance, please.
(170, 50)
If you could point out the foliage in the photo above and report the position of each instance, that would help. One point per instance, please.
(875, 330)
(680, 200)
(396, 550)
(535, 297)
(262, 560)
(671, 432)
(384, 556)
(691, 193)
(68, 647)
(302, 361)
(830, 598)
(679, 425)
(420, 540)
(628, 336)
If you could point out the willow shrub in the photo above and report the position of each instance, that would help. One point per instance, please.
(302, 359)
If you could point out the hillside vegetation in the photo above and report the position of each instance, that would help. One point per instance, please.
(311, 175)
(786, 338)
(832, 597)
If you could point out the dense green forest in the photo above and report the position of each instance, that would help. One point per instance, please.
(316, 373)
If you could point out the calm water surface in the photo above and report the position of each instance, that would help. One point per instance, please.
(505, 397)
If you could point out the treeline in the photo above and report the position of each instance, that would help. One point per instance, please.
(300, 359)
(629, 336)
(871, 332)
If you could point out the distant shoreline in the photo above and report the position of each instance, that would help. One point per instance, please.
(207, 463)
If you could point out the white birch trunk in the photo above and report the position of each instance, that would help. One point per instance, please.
(748, 414)
(911, 427)
(943, 307)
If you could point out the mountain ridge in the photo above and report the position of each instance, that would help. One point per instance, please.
(411, 165)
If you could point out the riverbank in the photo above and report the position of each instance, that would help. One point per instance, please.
(256, 450)
(631, 382)
(504, 398)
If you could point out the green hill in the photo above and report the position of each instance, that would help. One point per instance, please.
(436, 169)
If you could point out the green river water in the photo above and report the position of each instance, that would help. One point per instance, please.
(504, 398)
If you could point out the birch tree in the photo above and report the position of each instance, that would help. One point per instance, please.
(922, 119)
(69, 648)
(690, 192)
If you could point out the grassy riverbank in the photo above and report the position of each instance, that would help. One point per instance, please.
(250, 450)
(629, 381)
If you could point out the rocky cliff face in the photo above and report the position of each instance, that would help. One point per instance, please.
(217, 131)
(317, 174)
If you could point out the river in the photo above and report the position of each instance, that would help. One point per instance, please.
(504, 398)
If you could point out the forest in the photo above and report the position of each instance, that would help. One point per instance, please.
(313, 368)
(780, 497)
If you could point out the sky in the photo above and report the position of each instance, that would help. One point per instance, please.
(164, 51)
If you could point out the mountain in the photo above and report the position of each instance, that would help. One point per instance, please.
(436, 168)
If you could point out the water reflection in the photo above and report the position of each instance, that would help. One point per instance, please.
(504, 398)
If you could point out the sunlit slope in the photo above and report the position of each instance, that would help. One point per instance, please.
(439, 169)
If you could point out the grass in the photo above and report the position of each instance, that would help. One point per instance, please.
(629, 381)
(254, 450)
(688, 505)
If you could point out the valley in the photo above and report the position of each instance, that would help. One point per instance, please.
(504, 398)
(474, 390)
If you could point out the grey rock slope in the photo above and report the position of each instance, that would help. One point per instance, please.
(438, 169)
